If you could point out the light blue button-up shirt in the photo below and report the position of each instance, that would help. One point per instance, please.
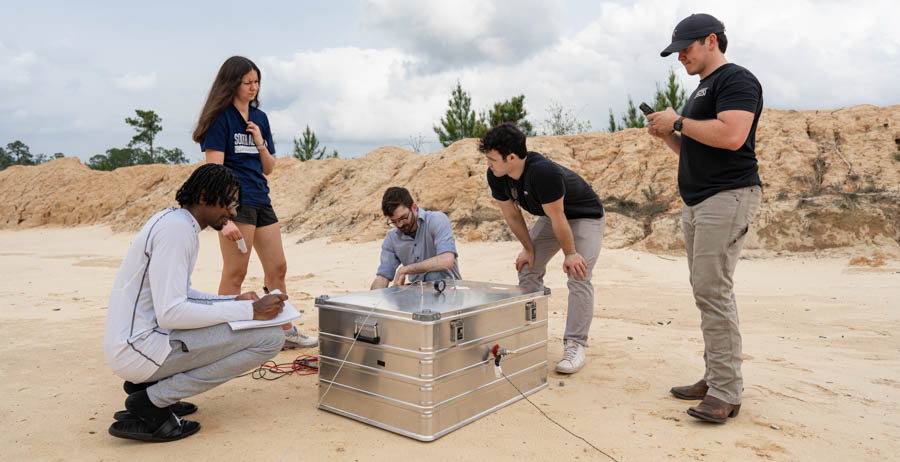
(434, 236)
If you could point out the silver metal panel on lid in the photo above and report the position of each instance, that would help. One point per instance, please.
(417, 299)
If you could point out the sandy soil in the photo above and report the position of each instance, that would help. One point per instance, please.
(822, 363)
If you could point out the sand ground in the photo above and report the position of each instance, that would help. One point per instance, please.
(821, 346)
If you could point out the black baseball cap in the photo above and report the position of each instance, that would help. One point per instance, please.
(691, 28)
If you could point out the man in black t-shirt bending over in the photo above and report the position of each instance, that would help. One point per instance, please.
(715, 137)
(571, 219)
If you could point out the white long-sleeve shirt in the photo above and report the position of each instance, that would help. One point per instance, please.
(152, 295)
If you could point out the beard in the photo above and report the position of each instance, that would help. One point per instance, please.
(219, 224)
(411, 227)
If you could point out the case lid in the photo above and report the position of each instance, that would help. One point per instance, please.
(424, 302)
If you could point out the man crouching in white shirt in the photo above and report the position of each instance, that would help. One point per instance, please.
(167, 340)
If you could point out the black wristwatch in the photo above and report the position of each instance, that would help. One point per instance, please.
(678, 123)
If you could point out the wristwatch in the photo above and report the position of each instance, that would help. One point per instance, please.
(678, 123)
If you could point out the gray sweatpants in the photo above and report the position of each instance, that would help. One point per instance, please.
(204, 358)
(588, 233)
(714, 233)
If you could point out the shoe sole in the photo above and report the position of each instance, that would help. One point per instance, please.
(568, 371)
(706, 418)
(295, 346)
(127, 429)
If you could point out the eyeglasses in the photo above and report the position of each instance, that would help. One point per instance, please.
(401, 220)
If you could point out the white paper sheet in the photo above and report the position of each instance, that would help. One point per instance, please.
(288, 314)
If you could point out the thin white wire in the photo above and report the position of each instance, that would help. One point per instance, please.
(334, 378)
(557, 423)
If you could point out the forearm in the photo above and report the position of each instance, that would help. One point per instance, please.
(380, 282)
(673, 141)
(184, 314)
(519, 229)
(203, 297)
(267, 160)
(442, 262)
(563, 233)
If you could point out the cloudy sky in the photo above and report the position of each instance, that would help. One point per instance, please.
(370, 73)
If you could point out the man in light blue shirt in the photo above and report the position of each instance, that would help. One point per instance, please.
(421, 241)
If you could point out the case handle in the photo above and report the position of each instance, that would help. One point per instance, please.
(367, 332)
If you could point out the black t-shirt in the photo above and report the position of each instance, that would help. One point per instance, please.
(544, 181)
(704, 170)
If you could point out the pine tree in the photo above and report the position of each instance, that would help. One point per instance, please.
(307, 147)
(147, 124)
(512, 110)
(671, 96)
(633, 118)
(460, 120)
(612, 123)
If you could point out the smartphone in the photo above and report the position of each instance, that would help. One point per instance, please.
(647, 110)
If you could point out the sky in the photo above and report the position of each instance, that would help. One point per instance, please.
(370, 73)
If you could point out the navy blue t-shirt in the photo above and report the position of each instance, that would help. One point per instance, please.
(704, 170)
(229, 134)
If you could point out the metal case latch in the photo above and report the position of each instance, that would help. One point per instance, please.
(530, 311)
(456, 330)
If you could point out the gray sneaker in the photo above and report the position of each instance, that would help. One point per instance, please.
(573, 358)
(294, 339)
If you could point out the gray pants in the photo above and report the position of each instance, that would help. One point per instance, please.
(714, 233)
(588, 233)
(204, 358)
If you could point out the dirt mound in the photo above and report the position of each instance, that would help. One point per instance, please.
(831, 178)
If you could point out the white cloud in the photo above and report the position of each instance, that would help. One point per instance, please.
(465, 32)
(135, 81)
(16, 68)
(343, 92)
(385, 95)
(393, 77)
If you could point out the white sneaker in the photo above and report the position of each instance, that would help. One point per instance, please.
(572, 359)
(294, 339)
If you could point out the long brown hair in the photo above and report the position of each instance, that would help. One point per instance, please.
(222, 92)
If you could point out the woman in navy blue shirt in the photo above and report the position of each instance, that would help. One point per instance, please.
(234, 132)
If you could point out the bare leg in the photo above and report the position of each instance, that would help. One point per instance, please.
(234, 263)
(271, 254)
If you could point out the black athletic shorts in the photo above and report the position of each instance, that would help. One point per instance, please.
(256, 215)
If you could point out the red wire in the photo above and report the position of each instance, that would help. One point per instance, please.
(302, 365)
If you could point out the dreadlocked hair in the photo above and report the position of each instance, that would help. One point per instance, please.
(213, 183)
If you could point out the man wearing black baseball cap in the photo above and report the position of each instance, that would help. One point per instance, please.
(718, 179)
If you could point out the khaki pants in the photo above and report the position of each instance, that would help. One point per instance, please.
(714, 233)
(588, 233)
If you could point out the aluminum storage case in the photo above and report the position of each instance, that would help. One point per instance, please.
(422, 364)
